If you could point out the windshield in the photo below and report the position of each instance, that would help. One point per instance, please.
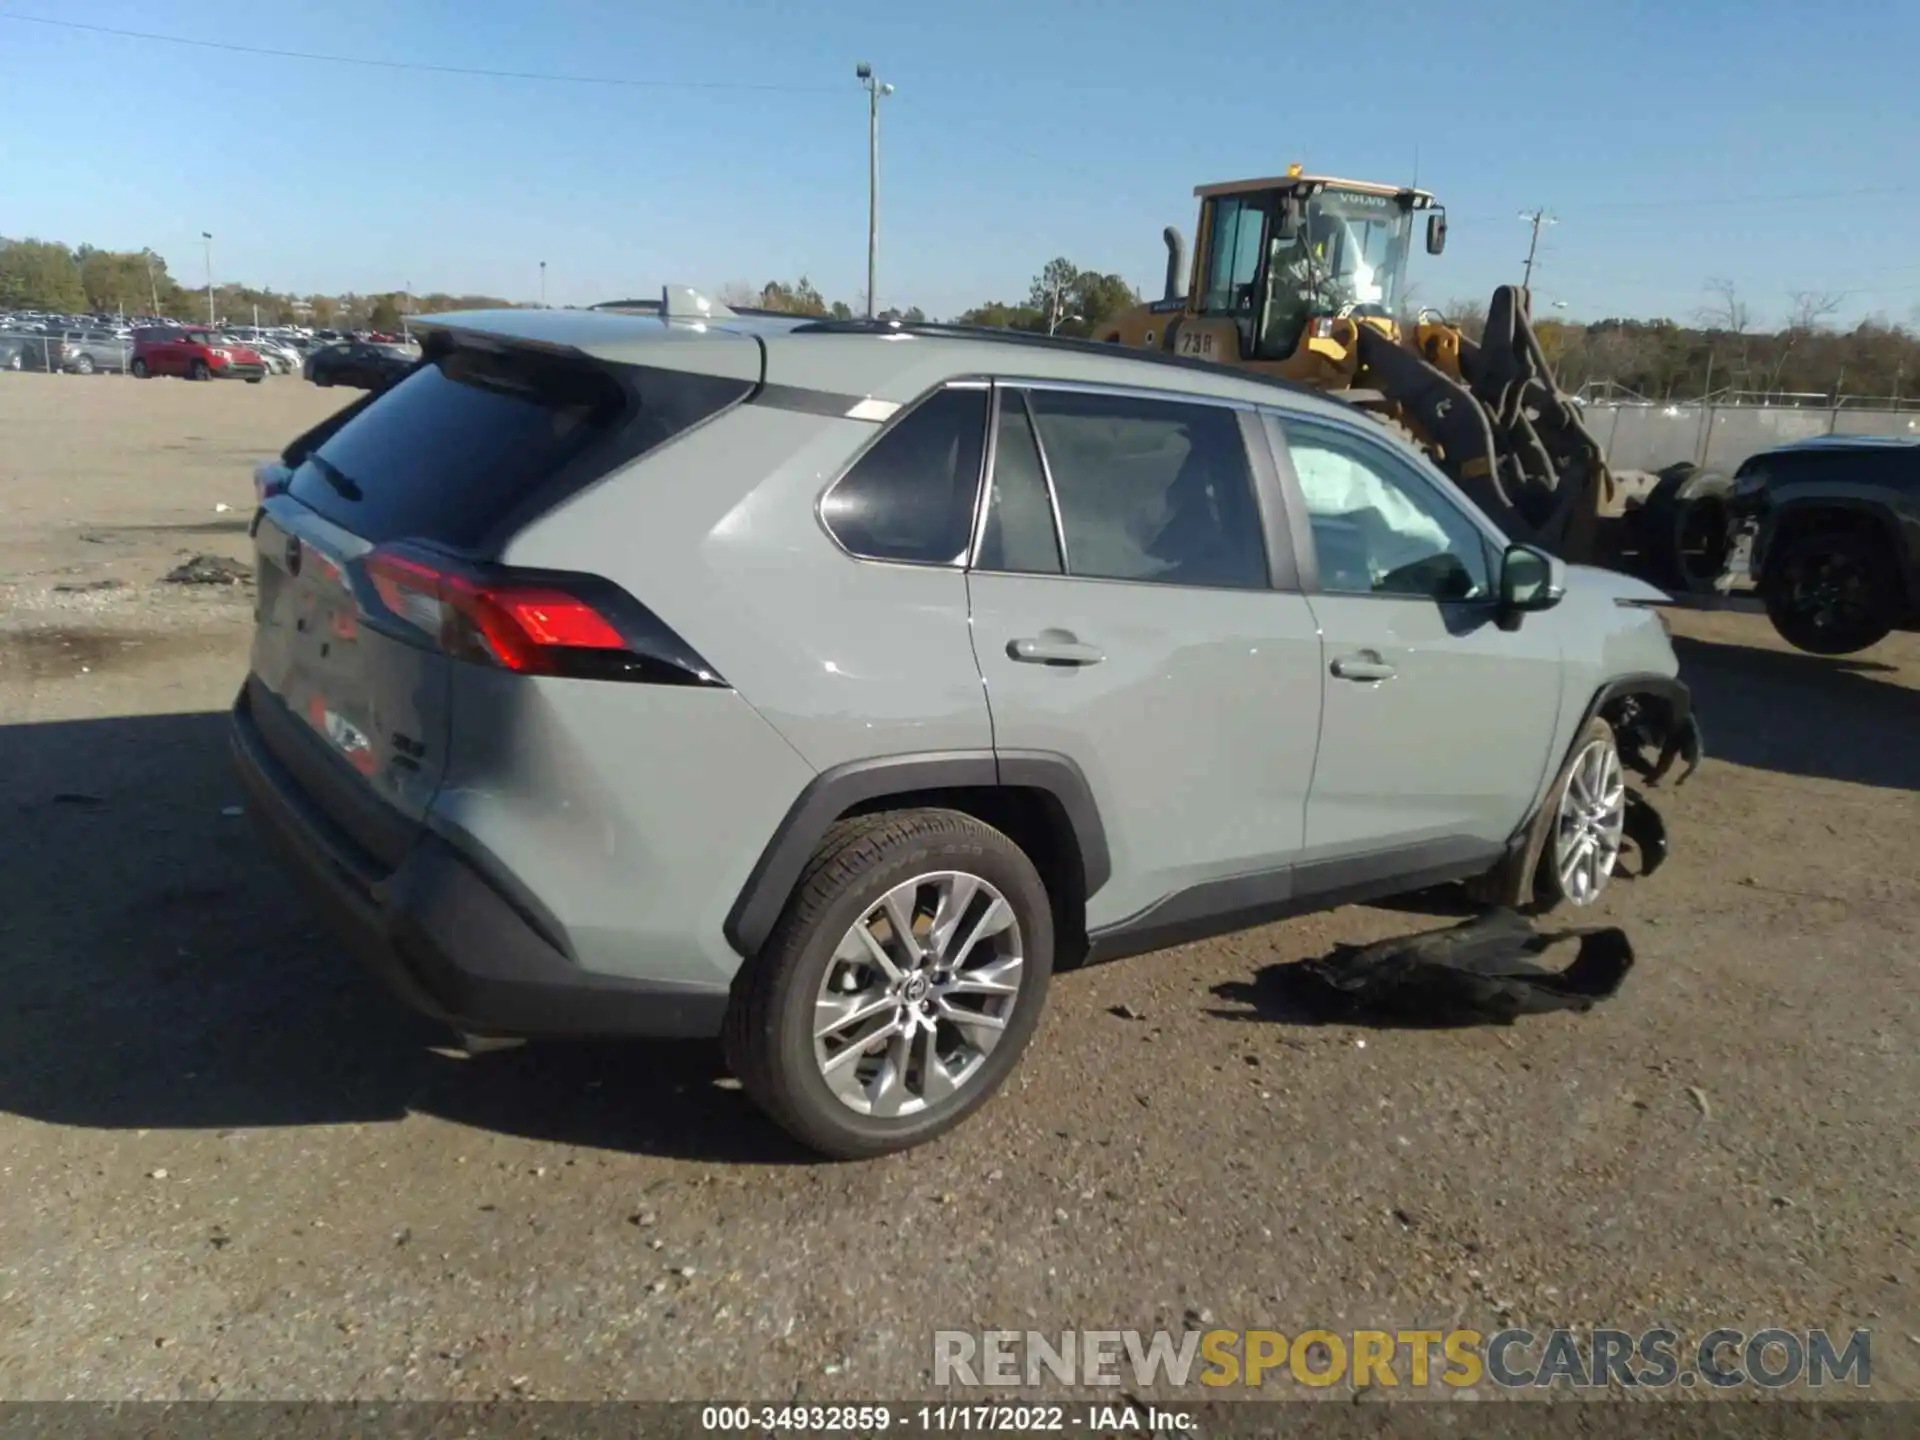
(1351, 250)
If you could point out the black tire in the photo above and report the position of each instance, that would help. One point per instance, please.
(1687, 529)
(255, 379)
(1549, 894)
(138, 369)
(83, 365)
(770, 1022)
(1831, 592)
(200, 371)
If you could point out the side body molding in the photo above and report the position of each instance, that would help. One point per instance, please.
(858, 784)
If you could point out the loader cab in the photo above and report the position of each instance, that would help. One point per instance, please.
(1277, 256)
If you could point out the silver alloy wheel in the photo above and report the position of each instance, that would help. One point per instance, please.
(1593, 812)
(917, 994)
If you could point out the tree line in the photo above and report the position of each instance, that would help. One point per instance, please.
(48, 275)
(1720, 349)
(1724, 351)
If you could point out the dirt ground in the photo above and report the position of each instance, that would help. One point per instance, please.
(231, 1167)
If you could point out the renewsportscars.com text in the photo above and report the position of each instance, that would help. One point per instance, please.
(1410, 1359)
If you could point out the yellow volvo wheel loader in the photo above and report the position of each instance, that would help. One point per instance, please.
(1302, 277)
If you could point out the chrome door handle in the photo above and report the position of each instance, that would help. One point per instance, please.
(1364, 666)
(1054, 652)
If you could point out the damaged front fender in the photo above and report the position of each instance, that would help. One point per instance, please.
(1655, 730)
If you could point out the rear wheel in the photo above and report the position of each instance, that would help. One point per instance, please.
(1831, 592)
(900, 986)
(83, 365)
(200, 371)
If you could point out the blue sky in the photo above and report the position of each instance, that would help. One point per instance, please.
(1768, 142)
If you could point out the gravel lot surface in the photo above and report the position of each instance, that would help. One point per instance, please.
(231, 1167)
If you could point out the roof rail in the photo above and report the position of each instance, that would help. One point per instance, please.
(1072, 344)
(679, 312)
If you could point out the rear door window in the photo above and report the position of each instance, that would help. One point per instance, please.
(450, 452)
(1150, 489)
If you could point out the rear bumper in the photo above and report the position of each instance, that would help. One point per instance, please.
(442, 937)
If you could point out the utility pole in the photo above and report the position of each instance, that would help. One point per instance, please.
(207, 236)
(153, 288)
(543, 284)
(1535, 218)
(876, 91)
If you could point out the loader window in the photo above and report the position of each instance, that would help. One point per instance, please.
(1235, 250)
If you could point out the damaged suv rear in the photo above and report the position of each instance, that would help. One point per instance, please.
(825, 687)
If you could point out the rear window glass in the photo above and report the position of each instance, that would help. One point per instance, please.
(452, 450)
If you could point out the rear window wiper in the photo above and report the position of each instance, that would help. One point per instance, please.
(337, 478)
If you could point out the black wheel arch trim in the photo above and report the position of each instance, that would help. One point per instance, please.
(835, 791)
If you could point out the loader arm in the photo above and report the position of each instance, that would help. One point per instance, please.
(1492, 418)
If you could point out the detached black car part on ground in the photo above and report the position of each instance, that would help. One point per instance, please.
(1484, 971)
(1836, 550)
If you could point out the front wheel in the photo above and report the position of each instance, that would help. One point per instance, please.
(139, 370)
(200, 371)
(900, 985)
(1832, 592)
(1588, 806)
(83, 365)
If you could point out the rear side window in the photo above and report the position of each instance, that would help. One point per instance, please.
(911, 496)
(455, 448)
(1151, 489)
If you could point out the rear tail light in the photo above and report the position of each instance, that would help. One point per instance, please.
(578, 626)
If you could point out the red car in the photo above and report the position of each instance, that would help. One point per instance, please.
(196, 354)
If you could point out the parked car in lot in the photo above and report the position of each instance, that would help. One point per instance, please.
(194, 353)
(40, 352)
(825, 685)
(1836, 550)
(359, 363)
(88, 351)
(280, 358)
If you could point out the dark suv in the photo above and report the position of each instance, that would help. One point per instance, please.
(1836, 550)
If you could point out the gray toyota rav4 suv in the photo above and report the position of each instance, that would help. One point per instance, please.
(825, 686)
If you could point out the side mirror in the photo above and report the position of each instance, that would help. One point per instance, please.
(1530, 580)
(1436, 232)
(1286, 219)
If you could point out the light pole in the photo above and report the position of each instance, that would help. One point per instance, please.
(406, 315)
(875, 92)
(543, 284)
(207, 236)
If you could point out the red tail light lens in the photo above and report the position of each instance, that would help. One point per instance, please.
(533, 626)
